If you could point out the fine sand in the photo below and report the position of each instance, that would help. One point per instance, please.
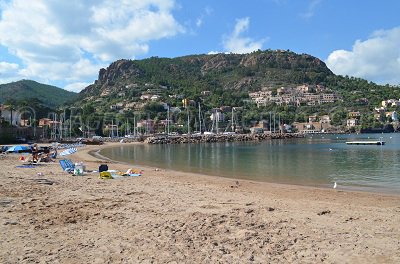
(49, 216)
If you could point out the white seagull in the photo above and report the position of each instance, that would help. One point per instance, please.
(334, 185)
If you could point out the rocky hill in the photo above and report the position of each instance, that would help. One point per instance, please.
(129, 88)
(238, 72)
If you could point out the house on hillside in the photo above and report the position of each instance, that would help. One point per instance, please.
(43, 122)
(155, 97)
(117, 106)
(393, 115)
(312, 118)
(145, 96)
(325, 119)
(146, 125)
(311, 127)
(352, 122)
(355, 114)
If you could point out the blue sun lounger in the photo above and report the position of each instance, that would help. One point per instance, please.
(67, 165)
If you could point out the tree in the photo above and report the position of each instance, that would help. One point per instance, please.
(338, 117)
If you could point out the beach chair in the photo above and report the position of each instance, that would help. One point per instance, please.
(67, 165)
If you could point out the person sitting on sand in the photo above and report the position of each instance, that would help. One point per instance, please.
(48, 156)
(53, 154)
(35, 153)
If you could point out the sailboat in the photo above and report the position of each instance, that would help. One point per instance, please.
(232, 125)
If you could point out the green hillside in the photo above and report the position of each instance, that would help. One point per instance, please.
(26, 90)
(238, 72)
(229, 78)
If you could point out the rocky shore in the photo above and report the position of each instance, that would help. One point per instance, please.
(218, 138)
(194, 138)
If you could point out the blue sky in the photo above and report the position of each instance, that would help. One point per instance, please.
(65, 43)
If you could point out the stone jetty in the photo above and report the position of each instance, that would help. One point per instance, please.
(181, 139)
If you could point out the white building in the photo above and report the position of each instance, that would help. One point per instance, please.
(352, 122)
(7, 115)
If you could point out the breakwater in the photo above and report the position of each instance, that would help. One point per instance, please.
(182, 139)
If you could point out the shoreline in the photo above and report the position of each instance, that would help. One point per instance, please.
(250, 185)
(164, 216)
(371, 190)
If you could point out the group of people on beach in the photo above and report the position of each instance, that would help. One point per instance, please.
(46, 155)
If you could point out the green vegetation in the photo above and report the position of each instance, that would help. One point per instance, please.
(212, 81)
(27, 90)
(228, 78)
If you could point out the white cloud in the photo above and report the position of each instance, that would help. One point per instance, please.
(71, 40)
(76, 87)
(312, 6)
(8, 71)
(199, 22)
(206, 12)
(6, 67)
(376, 59)
(238, 44)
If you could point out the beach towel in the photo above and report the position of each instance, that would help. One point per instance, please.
(134, 174)
(29, 166)
(120, 176)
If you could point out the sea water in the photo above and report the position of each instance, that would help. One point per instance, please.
(316, 160)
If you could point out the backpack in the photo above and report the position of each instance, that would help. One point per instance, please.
(103, 167)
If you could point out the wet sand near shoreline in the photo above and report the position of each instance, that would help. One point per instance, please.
(49, 216)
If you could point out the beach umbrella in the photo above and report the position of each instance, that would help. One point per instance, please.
(17, 148)
(68, 152)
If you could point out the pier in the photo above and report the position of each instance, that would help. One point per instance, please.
(379, 143)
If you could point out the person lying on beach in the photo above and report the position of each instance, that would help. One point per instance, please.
(48, 157)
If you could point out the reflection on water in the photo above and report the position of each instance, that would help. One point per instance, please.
(317, 160)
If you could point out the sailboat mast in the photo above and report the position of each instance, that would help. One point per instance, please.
(232, 121)
(217, 120)
(168, 120)
(200, 118)
(188, 121)
(270, 125)
(274, 122)
(279, 122)
(112, 128)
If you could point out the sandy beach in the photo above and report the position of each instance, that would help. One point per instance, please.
(163, 216)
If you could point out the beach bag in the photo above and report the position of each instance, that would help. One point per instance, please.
(105, 175)
(78, 171)
(103, 167)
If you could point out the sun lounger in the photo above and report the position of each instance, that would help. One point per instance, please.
(68, 151)
(67, 165)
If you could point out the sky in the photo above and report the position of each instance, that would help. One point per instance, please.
(65, 42)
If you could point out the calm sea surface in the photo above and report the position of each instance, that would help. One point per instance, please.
(317, 160)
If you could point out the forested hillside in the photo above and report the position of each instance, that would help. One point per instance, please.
(27, 90)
